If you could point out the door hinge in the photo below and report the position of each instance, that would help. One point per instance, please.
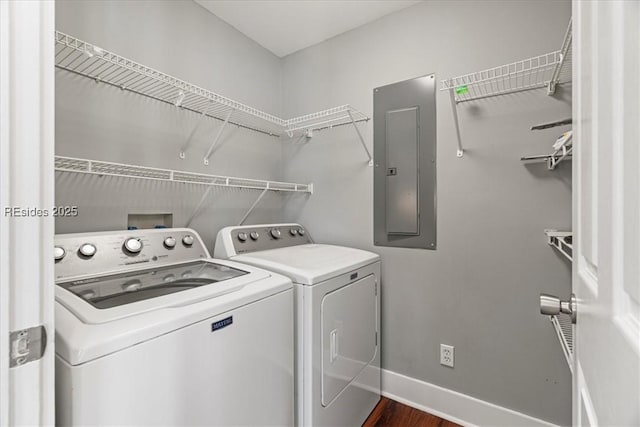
(27, 345)
(376, 338)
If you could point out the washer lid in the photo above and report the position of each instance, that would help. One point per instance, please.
(101, 299)
(310, 264)
(85, 332)
(114, 290)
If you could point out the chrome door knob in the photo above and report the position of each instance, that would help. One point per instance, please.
(551, 305)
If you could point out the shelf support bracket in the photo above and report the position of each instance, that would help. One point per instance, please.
(364, 145)
(253, 206)
(184, 148)
(566, 45)
(198, 206)
(215, 141)
(454, 108)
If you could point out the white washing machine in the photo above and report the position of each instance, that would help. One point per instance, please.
(151, 331)
(337, 317)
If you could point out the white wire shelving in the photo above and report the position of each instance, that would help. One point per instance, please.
(562, 241)
(563, 147)
(564, 330)
(96, 167)
(543, 71)
(90, 61)
(552, 159)
(100, 168)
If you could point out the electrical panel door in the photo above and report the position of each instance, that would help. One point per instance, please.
(404, 126)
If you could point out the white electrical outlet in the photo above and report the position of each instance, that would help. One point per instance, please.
(446, 355)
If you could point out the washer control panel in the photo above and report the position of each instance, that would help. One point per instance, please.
(251, 238)
(81, 254)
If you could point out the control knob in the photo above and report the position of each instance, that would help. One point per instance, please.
(169, 243)
(87, 250)
(293, 232)
(254, 235)
(242, 236)
(187, 240)
(301, 231)
(275, 233)
(59, 253)
(133, 245)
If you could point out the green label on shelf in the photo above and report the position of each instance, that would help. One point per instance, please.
(461, 90)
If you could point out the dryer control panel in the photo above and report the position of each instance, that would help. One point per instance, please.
(80, 254)
(232, 241)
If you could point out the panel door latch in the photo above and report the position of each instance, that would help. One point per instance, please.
(27, 345)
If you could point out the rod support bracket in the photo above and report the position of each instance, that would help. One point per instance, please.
(215, 141)
(364, 145)
(460, 153)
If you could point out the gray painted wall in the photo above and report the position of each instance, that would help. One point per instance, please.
(101, 122)
(479, 290)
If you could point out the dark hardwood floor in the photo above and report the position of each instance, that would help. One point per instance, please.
(389, 413)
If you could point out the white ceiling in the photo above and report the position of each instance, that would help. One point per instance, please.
(286, 26)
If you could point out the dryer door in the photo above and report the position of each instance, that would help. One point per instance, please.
(349, 335)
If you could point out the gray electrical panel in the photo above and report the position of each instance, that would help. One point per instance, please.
(404, 126)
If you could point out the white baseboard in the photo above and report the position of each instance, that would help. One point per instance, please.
(451, 405)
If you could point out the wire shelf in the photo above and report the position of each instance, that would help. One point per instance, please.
(546, 70)
(562, 241)
(326, 119)
(85, 59)
(564, 330)
(94, 167)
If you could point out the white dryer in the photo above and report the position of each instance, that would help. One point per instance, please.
(337, 317)
(151, 331)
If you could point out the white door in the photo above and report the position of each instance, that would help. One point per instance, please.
(606, 270)
(26, 235)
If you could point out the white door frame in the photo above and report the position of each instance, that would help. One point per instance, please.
(606, 208)
(26, 182)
